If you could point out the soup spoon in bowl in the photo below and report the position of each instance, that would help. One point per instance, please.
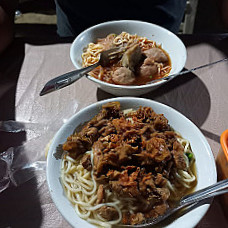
(190, 200)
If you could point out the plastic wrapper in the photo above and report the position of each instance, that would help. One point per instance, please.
(22, 162)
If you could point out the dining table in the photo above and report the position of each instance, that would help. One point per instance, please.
(28, 121)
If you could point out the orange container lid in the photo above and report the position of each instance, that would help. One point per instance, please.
(224, 142)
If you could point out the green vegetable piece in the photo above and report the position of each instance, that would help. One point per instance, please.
(189, 155)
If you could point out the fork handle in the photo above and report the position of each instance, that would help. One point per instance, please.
(66, 79)
(187, 71)
(218, 188)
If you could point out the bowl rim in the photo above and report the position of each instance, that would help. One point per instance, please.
(213, 172)
(129, 87)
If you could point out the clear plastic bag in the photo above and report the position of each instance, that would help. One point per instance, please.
(20, 163)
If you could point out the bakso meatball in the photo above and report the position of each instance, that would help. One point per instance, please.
(156, 54)
(123, 76)
(148, 68)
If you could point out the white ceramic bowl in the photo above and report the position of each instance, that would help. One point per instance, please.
(204, 157)
(169, 41)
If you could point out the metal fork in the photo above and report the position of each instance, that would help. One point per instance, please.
(66, 79)
(167, 78)
(190, 200)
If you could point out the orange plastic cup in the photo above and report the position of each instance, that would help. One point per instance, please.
(222, 167)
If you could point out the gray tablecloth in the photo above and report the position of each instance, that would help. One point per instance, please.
(200, 96)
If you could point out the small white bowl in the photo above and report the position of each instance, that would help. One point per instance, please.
(169, 41)
(205, 163)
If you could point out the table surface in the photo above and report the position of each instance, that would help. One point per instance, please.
(201, 96)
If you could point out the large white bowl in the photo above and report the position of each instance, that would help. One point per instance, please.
(205, 164)
(169, 41)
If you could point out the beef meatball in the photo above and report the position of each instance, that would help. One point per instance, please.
(148, 68)
(156, 54)
(123, 76)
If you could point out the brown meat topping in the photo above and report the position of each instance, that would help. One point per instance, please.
(154, 151)
(133, 155)
(86, 162)
(178, 155)
(161, 123)
(157, 210)
(136, 218)
(125, 151)
(108, 213)
(80, 142)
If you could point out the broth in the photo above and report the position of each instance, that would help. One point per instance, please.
(161, 68)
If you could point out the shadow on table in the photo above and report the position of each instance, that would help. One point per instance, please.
(218, 41)
(19, 206)
(10, 65)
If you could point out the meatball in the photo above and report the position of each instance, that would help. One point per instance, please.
(156, 54)
(148, 68)
(123, 76)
